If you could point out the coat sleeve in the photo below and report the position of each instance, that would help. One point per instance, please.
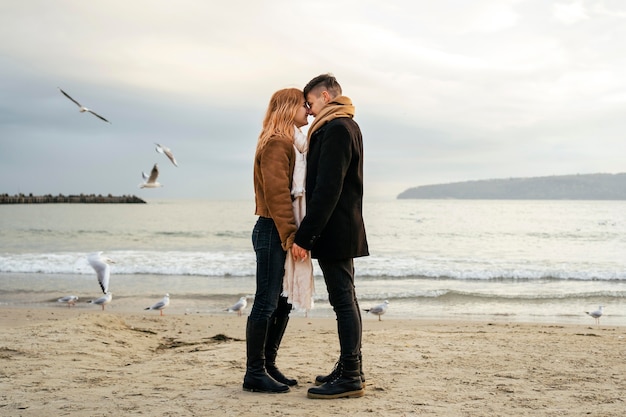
(275, 166)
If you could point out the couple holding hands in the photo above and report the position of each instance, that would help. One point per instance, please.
(309, 198)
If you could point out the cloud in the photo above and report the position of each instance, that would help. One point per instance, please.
(444, 91)
(570, 13)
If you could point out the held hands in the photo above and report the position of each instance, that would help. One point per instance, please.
(298, 253)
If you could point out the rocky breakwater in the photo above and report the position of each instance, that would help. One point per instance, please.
(70, 199)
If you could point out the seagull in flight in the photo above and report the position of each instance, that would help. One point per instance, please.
(379, 310)
(100, 264)
(151, 181)
(167, 151)
(82, 108)
(596, 314)
(160, 305)
(239, 306)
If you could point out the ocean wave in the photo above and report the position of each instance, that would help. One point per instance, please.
(242, 263)
(459, 295)
(135, 263)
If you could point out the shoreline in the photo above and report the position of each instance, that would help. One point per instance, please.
(213, 295)
(65, 361)
(216, 307)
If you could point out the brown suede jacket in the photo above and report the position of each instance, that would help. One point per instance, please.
(273, 174)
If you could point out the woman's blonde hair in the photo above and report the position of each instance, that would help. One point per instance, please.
(280, 114)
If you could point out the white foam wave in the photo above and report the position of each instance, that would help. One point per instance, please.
(236, 263)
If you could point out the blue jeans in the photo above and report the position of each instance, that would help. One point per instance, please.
(270, 268)
(339, 278)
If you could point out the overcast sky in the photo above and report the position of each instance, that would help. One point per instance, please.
(445, 91)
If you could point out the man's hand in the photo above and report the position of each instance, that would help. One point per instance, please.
(298, 253)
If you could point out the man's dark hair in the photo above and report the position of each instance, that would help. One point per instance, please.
(326, 81)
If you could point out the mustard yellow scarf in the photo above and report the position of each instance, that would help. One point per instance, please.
(339, 107)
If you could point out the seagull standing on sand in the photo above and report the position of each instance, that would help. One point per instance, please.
(82, 108)
(100, 264)
(151, 181)
(596, 314)
(69, 299)
(379, 310)
(167, 151)
(102, 301)
(161, 305)
(239, 306)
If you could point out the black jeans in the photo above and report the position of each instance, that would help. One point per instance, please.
(270, 269)
(339, 278)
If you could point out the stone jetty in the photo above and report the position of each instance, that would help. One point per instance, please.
(69, 199)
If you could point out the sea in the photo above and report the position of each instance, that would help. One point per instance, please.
(490, 260)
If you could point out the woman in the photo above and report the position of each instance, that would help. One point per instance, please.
(272, 237)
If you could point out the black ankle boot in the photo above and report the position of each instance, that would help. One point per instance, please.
(275, 333)
(256, 378)
(322, 379)
(346, 383)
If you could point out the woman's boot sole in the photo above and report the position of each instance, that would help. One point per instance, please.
(250, 389)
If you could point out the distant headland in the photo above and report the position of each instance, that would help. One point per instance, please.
(561, 187)
(69, 199)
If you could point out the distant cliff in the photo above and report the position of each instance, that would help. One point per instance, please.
(563, 187)
(82, 198)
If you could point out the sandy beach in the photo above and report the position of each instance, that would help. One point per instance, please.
(70, 362)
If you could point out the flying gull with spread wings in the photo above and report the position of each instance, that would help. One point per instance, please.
(167, 152)
(151, 180)
(100, 264)
(82, 108)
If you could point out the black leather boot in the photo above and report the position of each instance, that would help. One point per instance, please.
(275, 333)
(256, 378)
(346, 384)
(321, 379)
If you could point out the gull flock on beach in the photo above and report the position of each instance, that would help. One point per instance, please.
(150, 181)
(101, 264)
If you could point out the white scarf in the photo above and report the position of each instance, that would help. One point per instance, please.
(301, 147)
(298, 282)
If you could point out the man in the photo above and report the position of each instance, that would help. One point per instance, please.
(333, 228)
